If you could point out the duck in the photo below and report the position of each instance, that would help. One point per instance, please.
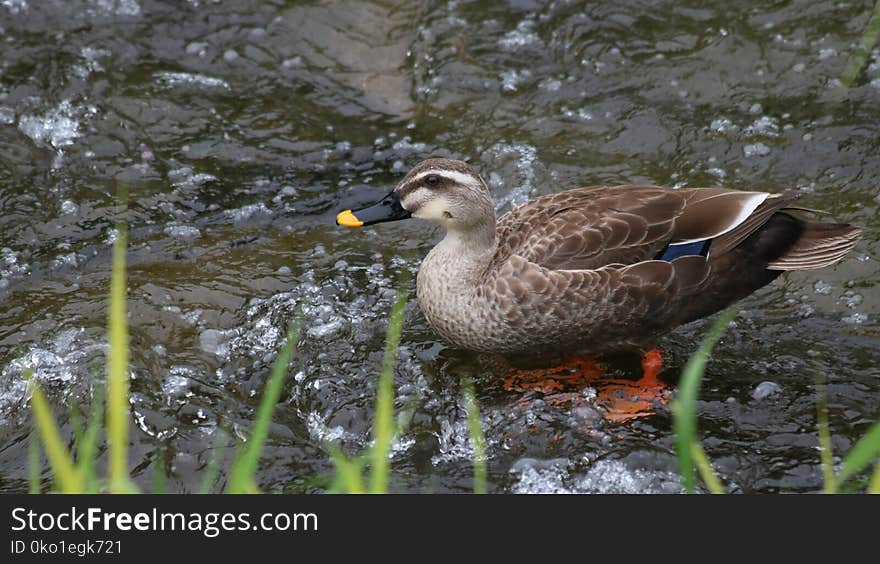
(594, 270)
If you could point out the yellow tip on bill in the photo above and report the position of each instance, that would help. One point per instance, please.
(348, 219)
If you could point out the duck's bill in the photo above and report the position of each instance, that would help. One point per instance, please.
(388, 209)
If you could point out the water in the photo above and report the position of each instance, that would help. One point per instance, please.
(241, 128)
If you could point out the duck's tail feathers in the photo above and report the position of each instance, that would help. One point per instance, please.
(819, 245)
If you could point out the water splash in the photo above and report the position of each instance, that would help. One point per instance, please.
(58, 127)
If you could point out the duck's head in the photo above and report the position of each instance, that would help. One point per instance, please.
(447, 192)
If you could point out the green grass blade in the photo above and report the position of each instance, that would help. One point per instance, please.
(88, 452)
(859, 58)
(383, 427)
(475, 430)
(76, 425)
(212, 470)
(160, 478)
(704, 468)
(118, 409)
(239, 481)
(860, 456)
(685, 406)
(348, 477)
(34, 463)
(874, 486)
(66, 476)
(825, 449)
(244, 467)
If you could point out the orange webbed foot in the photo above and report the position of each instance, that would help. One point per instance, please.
(576, 373)
(621, 400)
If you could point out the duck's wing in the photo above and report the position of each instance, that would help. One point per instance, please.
(588, 228)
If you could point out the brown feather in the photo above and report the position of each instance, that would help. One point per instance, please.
(820, 245)
(711, 212)
(758, 218)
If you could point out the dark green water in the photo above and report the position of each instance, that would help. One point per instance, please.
(241, 128)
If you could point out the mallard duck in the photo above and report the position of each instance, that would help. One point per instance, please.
(594, 270)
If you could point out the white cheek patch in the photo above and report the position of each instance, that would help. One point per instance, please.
(432, 210)
(415, 199)
(425, 204)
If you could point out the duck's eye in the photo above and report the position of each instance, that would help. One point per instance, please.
(432, 180)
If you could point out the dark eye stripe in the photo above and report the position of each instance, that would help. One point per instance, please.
(432, 180)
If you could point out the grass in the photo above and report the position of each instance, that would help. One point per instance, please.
(860, 456)
(68, 478)
(859, 58)
(684, 409)
(86, 441)
(874, 485)
(690, 452)
(244, 467)
(212, 469)
(349, 472)
(383, 425)
(117, 372)
(826, 456)
(34, 463)
(475, 430)
(73, 470)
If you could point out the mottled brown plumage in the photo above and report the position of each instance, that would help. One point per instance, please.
(583, 271)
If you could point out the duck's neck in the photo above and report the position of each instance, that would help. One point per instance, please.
(450, 281)
(463, 257)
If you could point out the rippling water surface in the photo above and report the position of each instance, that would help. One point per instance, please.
(241, 128)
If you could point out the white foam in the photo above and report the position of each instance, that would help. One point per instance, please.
(178, 382)
(178, 231)
(118, 7)
(523, 36)
(541, 477)
(615, 477)
(58, 127)
(856, 318)
(7, 115)
(756, 150)
(722, 125)
(15, 6)
(827, 53)
(320, 432)
(185, 177)
(62, 363)
(248, 212)
(172, 79)
(512, 78)
(69, 207)
(525, 157)
(764, 125)
(602, 477)
(822, 288)
(453, 442)
(851, 299)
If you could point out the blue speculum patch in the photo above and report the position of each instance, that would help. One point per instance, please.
(695, 248)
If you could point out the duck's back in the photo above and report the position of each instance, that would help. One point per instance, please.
(601, 268)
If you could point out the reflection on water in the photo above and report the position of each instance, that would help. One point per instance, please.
(241, 128)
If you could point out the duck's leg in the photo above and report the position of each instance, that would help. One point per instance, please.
(652, 362)
(625, 400)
